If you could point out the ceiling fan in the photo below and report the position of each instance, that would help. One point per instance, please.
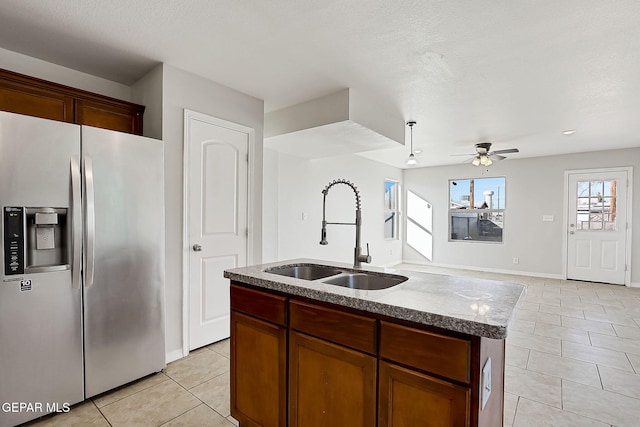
(485, 157)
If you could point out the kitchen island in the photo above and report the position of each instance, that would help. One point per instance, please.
(428, 351)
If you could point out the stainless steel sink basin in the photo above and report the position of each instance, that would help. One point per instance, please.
(366, 281)
(306, 272)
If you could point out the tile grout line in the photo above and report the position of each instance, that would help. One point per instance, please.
(188, 410)
(629, 360)
(101, 413)
(200, 400)
(196, 397)
(600, 376)
(515, 413)
(128, 385)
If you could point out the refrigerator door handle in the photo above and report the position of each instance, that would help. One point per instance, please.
(76, 225)
(90, 223)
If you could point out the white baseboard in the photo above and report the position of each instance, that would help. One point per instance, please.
(490, 270)
(634, 285)
(173, 355)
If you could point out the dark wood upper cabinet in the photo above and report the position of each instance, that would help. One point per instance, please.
(35, 97)
(123, 118)
(18, 97)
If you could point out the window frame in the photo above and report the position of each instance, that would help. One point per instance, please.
(386, 210)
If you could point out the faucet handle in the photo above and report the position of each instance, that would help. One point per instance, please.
(366, 258)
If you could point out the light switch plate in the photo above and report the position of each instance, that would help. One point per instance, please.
(486, 382)
(547, 218)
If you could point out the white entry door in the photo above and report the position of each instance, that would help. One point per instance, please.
(218, 233)
(597, 226)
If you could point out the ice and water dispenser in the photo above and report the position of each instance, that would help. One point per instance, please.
(35, 240)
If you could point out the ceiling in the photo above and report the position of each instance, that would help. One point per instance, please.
(517, 73)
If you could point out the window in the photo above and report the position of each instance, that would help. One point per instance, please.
(391, 210)
(596, 205)
(476, 209)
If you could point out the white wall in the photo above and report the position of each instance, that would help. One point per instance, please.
(298, 191)
(534, 187)
(185, 90)
(148, 92)
(34, 67)
(270, 203)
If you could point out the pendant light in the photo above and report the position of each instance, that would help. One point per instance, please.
(411, 161)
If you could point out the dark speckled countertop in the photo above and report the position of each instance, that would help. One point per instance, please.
(462, 304)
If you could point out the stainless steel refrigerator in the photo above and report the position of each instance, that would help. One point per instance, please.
(82, 290)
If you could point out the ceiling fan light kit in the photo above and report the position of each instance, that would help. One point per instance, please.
(485, 157)
(411, 161)
(482, 159)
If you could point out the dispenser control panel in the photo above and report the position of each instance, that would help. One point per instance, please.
(13, 240)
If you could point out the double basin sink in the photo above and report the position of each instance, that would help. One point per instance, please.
(345, 278)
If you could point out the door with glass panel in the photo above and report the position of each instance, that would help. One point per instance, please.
(597, 226)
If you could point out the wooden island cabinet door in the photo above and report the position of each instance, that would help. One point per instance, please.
(330, 385)
(258, 372)
(409, 398)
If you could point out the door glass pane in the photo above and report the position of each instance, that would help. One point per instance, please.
(609, 186)
(583, 189)
(610, 223)
(596, 205)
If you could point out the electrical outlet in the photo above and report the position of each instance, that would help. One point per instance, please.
(486, 382)
(516, 260)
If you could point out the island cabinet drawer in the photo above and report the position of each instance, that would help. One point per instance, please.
(442, 355)
(269, 307)
(348, 329)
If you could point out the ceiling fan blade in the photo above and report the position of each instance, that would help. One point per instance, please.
(509, 150)
(472, 154)
(494, 156)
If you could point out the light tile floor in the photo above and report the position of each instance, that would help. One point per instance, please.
(573, 359)
(193, 391)
(573, 353)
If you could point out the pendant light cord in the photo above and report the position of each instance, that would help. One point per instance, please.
(412, 158)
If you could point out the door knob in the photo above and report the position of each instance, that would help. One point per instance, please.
(197, 247)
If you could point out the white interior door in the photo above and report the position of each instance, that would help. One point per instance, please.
(218, 234)
(597, 226)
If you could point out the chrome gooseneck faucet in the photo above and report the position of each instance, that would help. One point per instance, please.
(358, 257)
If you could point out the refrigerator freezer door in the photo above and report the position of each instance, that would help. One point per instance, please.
(124, 306)
(40, 313)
